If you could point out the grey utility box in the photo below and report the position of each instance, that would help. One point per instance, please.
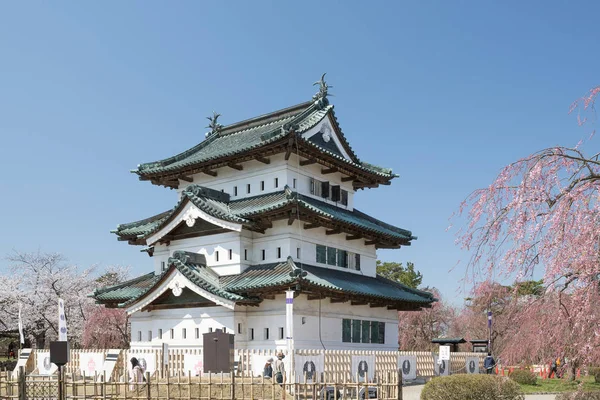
(218, 351)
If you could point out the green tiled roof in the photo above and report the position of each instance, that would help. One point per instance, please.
(274, 275)
(251, 134)
(199, 274)
(244, 210)
(126, 290)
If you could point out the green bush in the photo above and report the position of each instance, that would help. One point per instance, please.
(595, 372)
(578, 396)
(524, 377)
(471, 387)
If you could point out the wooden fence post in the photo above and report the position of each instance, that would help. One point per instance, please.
(148, 386)
(399, 383)
(22, 385)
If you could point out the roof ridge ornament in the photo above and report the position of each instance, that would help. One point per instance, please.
(214, 126)
(321, 96)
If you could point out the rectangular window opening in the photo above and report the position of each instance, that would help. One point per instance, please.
(197, 333)
(264, 254)
(183, 333)
(298, 253)
(149, 336)
(347, 331)
(162, 266)
(172, 333)
(217, 256)
(276, 182)
(235, 190)
(281, 332)
(239, 328)
(231, 254)
(248, 188)
(246, 254)
(356, 329)
(262, 186)
(345, 197)
(321, 254)
(139, 336)
(266, 333)
(160, 334)
(294, 183)
(251, 333)
(279, 252)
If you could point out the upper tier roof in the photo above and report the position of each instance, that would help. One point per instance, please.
(251, 212)
(276, 132)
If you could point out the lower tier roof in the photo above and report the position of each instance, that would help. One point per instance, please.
(261, 281)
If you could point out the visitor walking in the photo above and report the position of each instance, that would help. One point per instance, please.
(279, 370)
(136, 374)
(268, 370)
(489, 364)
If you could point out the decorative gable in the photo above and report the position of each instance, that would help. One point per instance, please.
(325, 136)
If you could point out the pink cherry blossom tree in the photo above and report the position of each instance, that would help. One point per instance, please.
(542, 212)
(106, 328)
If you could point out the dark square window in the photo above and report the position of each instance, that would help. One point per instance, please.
(356, 329)
(321, 254)
(374, 332)
(366, 330)
(342, 260)
(331, 256)
(346, 330)
(335, 193)
(325, 189)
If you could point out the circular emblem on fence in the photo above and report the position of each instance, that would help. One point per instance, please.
(309, 370)
(363, 369)
(47, 363)
(406, 367)
(472, 366)
(442, 367)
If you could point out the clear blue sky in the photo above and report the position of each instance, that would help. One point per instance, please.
(443, 92)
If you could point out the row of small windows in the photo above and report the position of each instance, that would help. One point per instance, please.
(184, 335)
(172, 334)
(263, 253)
(357, 331)
(266, 333)
(337, 257)
(262, 186)
(327, 191)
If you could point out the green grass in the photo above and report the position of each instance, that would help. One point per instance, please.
(561, 385)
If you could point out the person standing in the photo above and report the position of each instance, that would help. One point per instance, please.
(268, 370)
(279, 370)
(136, 374)
(489, 364)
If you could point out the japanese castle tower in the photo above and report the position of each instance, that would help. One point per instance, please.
(266, 206)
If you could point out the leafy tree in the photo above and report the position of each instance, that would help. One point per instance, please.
(399, 273)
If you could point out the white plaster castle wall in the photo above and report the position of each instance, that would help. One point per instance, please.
(271, 315)
(178, 319)
(286, 237)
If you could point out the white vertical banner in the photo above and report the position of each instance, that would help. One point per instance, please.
(21, 327)
(289, 324)
(62, 321)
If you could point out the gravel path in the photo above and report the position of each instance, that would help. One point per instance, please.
(414, 393)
